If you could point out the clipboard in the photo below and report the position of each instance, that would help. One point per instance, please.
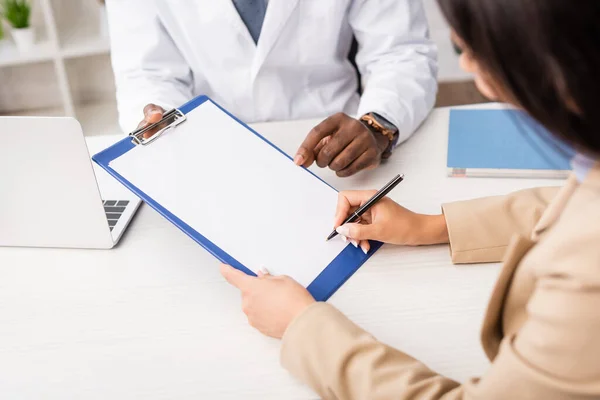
(327, 282)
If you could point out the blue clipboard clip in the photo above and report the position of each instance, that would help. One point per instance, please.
(170, 120)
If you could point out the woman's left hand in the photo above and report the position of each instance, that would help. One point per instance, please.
(270, 302)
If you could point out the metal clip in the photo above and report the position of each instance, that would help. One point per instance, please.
(170, 120)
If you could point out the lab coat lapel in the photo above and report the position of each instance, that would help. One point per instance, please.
(227, 18)
(276, 17)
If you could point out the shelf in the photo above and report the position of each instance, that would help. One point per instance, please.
(95, 118)
(38, 112)
(81, 41)
(74, 45)
(41, 51)
(68, 64)
(85, 46)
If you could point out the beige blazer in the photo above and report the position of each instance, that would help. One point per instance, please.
(542, 327)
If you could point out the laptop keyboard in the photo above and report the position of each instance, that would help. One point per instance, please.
(114, 209)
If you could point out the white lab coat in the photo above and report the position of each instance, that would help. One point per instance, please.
(168, 51)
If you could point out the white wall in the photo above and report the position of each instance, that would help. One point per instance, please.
(440, 33)
(91, 79)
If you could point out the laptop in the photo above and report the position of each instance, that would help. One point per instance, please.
(51, 195)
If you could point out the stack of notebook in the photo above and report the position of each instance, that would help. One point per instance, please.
(503, 143)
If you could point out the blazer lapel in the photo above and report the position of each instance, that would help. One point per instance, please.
(556, 207)
(491, 332)
(276, 17)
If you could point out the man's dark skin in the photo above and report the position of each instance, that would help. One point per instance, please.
(340, 142)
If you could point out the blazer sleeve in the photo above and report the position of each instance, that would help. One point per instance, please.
(480, 230)
(554, 356)
(339, 360)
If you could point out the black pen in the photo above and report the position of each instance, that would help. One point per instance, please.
(370, 203)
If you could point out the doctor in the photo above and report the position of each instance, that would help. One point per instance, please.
(280, 60)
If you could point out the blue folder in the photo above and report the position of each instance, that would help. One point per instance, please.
(327, 282)
(503, 143)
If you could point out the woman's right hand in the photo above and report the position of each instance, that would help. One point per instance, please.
(387, 222)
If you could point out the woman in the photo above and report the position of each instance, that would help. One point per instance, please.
(542, 328)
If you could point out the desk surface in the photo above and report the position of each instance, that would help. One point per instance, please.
(153, 319)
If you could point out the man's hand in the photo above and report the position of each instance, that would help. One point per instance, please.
(152, 114)
(344, 144)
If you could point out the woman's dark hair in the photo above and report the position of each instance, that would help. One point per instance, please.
(545, 54)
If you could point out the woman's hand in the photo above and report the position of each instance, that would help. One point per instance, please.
(270, 302)
(387, 222)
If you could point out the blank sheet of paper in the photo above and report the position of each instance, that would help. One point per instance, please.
(240, 193)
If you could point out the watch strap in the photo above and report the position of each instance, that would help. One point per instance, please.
(380, 125)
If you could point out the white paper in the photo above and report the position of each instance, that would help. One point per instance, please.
(239, 192)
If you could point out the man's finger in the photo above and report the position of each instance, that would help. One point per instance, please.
(322, 144)
(347, 156)
(352, 131)
(153, 113)
(305, 155)
(235, 277)
(336, 145)
(367, 159)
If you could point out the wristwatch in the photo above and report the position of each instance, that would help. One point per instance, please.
(377, 124)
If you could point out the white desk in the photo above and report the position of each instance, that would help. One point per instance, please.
(153, 319)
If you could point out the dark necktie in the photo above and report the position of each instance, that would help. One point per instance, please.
(253, 15)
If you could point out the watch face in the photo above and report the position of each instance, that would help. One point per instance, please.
(387, 125)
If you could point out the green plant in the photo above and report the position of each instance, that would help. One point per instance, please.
(1, 31)
(17, 13)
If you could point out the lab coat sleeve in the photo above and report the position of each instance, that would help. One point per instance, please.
(397, 61)
(147, 64)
